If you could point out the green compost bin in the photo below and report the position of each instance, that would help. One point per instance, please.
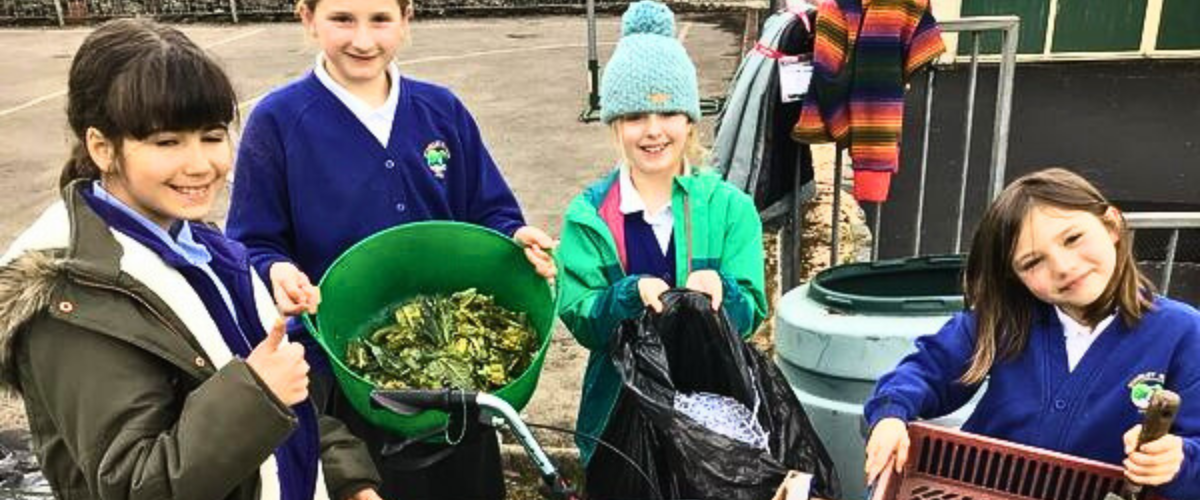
(365, 284)
(837, 334)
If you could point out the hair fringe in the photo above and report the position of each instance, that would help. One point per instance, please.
(133, 77)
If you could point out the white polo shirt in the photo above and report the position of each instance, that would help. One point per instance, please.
(661, 221)
(378, 120)
(1079, 337)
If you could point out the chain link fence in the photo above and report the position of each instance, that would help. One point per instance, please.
(79, 12)
(17, 10)
(74, 12)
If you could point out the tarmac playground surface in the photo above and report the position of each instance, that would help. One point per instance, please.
(524, 78)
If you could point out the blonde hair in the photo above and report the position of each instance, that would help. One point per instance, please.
(695, 155)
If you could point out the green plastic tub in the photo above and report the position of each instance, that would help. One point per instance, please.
(365, 284)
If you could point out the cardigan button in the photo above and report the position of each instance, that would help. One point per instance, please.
(66, 307)
(400, 207)
(389, 164)
(1060, 405)
(200, 361)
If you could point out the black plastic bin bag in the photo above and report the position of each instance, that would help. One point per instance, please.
(688, 349)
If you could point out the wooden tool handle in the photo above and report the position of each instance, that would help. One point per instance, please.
(1160, 414)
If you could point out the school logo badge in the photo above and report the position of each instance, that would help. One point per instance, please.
(437, 155)
(1143, 386)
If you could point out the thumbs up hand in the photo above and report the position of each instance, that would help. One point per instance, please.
(281, 366)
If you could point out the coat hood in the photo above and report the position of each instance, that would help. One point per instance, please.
(30, 271)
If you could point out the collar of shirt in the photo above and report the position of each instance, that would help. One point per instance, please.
(378, 120)
(662, 222)
(631, 200)
(182, 243)
(1072, 328)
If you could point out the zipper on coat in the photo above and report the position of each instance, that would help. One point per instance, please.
(153, 311)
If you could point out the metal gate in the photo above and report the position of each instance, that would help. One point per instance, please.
(1167, 244)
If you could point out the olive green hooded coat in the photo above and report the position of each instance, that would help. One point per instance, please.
(100, 338)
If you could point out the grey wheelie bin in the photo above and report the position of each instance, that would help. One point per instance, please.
(837, 334)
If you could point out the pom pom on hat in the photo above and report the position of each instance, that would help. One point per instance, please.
(649, 72)
(652, 18)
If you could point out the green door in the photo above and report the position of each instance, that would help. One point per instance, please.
(1088, 25)
(1180, 28)
(1092, 26)
(1033, 13)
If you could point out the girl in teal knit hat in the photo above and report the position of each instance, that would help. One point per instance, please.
(655, 222)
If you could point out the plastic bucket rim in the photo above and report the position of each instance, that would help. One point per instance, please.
(312, 322)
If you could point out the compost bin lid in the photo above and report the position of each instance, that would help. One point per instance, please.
(918, 285)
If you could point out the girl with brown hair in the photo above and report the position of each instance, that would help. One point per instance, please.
(149, 356)
(1069, 336)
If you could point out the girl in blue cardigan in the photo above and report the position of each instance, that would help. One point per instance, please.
(1069, 336)
(350, 149)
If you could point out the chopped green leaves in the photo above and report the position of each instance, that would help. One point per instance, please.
(464, 341)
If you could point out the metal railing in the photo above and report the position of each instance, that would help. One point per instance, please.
(1172, 222)
(64, 12)
(1008, 27)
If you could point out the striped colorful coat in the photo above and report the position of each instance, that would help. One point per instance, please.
(864, 52)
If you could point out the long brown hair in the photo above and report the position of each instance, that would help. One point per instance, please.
(135, 77)
(1004, 308)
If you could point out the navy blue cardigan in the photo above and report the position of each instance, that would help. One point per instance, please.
(1034, 400)
(311, 180)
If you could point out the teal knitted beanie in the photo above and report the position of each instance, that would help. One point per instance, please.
(650, 71)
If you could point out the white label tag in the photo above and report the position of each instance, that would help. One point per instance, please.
(798, 486)
(794, 77)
